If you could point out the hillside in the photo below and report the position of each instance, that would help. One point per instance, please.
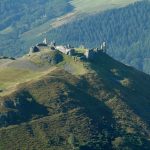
(126, 31)
(81, 9)
(16, 19)
(73, 104)
(19, 29)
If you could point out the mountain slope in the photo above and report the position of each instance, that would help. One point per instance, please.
(126, 31)
(16, 19)
(18, 25)
(95, 104)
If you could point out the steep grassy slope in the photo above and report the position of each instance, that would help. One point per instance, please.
(88, 6)
(106, 105)
(33, 67)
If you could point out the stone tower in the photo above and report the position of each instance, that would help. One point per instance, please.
(45, 41)
(104, 47)
(89, 54)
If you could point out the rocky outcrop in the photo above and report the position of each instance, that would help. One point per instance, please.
(34, 49)
(52, 58)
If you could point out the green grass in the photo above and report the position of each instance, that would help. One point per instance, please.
(81, 50)
(6, 30)
(88, 6)
(12, 76)
(73, 65)
(68, 115)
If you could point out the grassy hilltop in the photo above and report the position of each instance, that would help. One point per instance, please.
(73, 104)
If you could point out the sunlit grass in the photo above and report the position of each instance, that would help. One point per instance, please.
(88, 6)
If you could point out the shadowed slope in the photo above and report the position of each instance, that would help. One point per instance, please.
(103, 106)
(72, 112)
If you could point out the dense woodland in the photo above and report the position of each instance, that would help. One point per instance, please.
(20, 16)
(30, 13)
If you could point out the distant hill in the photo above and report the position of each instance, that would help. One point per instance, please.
(19, 29)
(72, 103)
(20, 16)
(126, 31)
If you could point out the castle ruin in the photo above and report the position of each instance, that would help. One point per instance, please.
(68, 50)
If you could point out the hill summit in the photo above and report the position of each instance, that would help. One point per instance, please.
(66, 98)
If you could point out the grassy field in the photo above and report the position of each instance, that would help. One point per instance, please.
(33, 67)
(22, 70)
(10, 78)
(6, 30)
(88, 6)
